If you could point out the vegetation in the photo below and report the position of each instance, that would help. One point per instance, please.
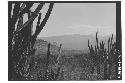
(105, 57)
(25, 63)
(21, 37)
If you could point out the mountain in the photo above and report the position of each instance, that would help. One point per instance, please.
(41, 47)
(75, 41)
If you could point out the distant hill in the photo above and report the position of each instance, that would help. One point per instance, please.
(76, 41)
(41, 47)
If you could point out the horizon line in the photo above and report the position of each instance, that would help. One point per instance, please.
(77, 34)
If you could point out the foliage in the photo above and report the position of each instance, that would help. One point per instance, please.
(106, 56)
(24, 64)
(21, 39)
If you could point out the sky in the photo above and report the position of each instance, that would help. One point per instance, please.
(79, 18)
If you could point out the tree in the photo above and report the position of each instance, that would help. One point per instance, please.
(20, 37)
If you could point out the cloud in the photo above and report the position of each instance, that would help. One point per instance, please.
(84, 29)
(80, 26)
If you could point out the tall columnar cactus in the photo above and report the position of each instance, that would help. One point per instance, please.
(97, 41)
(108, 45)
(103, 56)
(58, 62)
(59, 54)
(20, 37)
(47, 62)
(50, 74)
(48, 55)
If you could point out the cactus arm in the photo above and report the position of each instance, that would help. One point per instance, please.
(97, 41)
(38, 30)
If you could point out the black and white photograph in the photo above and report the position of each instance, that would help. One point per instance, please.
(64, 41)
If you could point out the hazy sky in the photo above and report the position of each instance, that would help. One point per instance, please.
(80, 18)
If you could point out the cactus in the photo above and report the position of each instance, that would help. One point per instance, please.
(97, 41)
(103, 55)
(47, 62)
(48, 55)
(50, 75)
(21, 40)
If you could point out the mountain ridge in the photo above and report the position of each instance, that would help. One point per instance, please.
(75, 41)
